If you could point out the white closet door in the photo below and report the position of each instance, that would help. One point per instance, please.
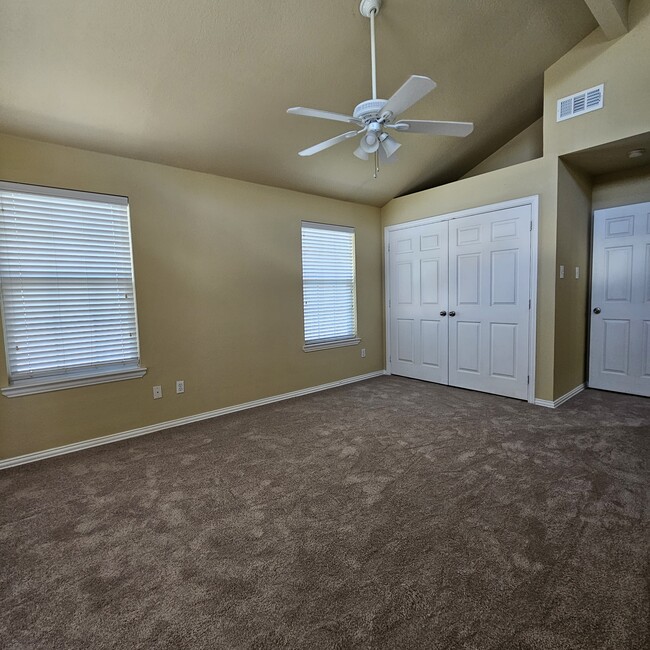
(418, 302)
(619, 349)
(489, 276)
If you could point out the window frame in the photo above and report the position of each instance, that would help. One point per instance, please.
(67, 377)
(337, 342)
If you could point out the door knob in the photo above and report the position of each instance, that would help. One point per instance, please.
(443, 313)
(452, 313)
(596, 310)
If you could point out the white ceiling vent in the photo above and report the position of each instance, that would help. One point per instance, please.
(582, 102)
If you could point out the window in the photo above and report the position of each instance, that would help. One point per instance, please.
(66, 289)
(328, 286)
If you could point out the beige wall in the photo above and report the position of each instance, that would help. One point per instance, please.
(531, 178)
(217, 261)
(571, 293)
(527, 145)
(621, 188)
(218, 280)
(623, 65)
(565, 195)
(578, 196)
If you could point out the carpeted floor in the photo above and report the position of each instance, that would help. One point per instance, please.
(386, 514)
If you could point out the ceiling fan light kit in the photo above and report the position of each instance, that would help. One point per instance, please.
(373, 117)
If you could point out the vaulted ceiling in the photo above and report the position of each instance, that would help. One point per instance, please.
(205, 84)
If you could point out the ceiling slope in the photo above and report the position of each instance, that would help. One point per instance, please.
(205, 84)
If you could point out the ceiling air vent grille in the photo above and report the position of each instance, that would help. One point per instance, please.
(582, 102)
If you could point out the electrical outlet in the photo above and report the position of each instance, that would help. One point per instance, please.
(180, 386)
(363, 353)
(157, 392)
(577, 272)
(561, 271)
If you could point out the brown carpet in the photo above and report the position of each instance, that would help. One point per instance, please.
(386, 514)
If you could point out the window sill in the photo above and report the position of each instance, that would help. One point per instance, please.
(326, 345)
(34, 386)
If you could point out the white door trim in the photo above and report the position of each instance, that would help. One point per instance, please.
(533, 201)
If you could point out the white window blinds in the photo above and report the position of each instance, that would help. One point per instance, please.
(66, 283)
(329, 292)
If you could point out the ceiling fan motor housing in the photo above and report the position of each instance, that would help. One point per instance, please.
(370, 110)
(366, 7)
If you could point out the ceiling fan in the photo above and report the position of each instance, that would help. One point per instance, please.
(374, 118)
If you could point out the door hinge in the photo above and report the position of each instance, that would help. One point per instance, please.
(529, 303)
(389, 248)
(531, 226)
(528, 382)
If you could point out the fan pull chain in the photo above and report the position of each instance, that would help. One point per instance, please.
(376, 164)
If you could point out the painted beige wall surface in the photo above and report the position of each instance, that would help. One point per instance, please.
(536, 177)
(571, 294)
(578, 196)
(623, 65)
(219, 293)
(217, 261)
(527, 145)
(621, 188)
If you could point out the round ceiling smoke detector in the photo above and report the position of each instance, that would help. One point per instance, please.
(635, 153)
(368, 6)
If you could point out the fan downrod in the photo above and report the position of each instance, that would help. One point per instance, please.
(367, 7)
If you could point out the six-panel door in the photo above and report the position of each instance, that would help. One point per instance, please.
(418, 296)
(619, 349)
(489, 277)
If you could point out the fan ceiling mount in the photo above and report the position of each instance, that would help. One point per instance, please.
(375, 118)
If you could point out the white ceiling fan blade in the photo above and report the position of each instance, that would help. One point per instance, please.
(433, 127)
(411, 91)
(321, 146)
(325, 115)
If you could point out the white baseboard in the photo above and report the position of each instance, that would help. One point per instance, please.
(152, 428)
(560, 400)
